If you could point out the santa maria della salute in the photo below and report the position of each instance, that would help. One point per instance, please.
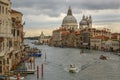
(79, 34)
(70, 22)
(70, 34)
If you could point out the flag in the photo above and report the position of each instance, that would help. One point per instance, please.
(24, 23)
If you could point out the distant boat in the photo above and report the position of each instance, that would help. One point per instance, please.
(28, 71)
(102, 57)
(15, 77)
(35, 54)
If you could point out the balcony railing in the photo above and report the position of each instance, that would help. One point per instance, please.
(6, 35)
(7, 50)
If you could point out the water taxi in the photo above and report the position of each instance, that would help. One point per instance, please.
(72, 69)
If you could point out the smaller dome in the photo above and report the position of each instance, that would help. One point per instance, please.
(83, 22)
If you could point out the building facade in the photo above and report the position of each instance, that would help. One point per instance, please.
(11, 31)
(6, 46)
(17, 32)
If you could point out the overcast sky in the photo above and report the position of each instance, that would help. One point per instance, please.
(47, 15)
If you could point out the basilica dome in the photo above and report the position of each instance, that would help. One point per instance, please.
(69, 20)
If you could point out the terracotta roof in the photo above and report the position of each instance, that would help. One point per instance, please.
(114, 37)
(61, 29)
(65, 32)
(14, 11)
(77, 32)
(115, 33)
(101, 37)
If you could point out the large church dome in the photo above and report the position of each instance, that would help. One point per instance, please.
(69, 21)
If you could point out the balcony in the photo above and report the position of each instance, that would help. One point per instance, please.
(6, 51)
(2, 35)
(8, 35)
(2, 53)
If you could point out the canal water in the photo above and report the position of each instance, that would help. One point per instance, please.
(89, 64)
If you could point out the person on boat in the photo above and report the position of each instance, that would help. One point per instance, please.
(71, 66)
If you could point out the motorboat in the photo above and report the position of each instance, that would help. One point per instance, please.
(15, 77)
(72, 69)
(102, 57)
(35, 54)
(30, 71)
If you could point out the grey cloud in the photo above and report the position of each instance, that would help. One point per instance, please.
(54, 7)
(53, 4)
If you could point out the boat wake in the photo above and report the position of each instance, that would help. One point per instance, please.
(76, 71)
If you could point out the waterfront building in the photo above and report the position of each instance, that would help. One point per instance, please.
(115, 42)
(98, 38)
(17, 32)
(44, 39)
(56, 37)
(11, 36)
(65, 38)
(98, 42)
(94, 35)
(112, 45)
(6, 46)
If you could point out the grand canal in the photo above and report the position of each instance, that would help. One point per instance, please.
(91, 67)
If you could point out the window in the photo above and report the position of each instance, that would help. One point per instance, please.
(7, 60)
(17, 32)
(0, 69)
(0, 62)
(0, 9)
(13, 32)
(3, 10)
(0, 47)
(10, 44)
(6, 10)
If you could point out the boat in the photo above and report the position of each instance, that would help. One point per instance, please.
(35, 54)
(72, 69)
(15, 77)
(28, 71)
(102, 57)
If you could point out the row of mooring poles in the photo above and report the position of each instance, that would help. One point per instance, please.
(42, 69)
(42, 72)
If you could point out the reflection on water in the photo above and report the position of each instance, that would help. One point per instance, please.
(91, 67)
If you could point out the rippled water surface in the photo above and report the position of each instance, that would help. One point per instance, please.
(91, 67)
